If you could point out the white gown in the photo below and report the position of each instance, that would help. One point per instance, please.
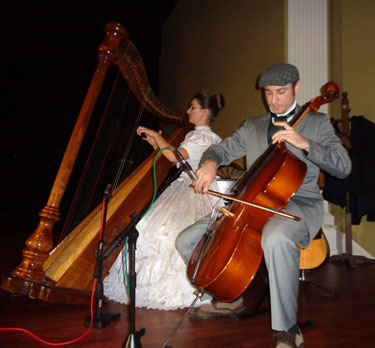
(161, 273)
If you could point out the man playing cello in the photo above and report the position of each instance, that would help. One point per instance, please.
(314, 142)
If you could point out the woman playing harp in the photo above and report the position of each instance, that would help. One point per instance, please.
(161, 280)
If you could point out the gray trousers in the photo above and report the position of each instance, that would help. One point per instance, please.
(279, 239)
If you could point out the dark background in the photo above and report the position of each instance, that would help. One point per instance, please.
(48, 57)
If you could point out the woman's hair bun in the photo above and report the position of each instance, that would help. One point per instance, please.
(212, 101)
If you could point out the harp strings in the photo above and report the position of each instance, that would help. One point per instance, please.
(129, 143)
(89, 174)
(113, 139)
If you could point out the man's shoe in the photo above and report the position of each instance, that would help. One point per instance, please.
(217, 309)
(289, 340)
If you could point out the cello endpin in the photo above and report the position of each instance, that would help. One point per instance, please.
(199, 293)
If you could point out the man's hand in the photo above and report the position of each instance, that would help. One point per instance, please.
(206, 175)
(291, 136)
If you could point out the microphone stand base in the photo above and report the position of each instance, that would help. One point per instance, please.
(102, 321)
(134, 340)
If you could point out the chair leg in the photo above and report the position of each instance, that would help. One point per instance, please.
(306, 280)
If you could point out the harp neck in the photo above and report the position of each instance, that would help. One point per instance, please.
(119, 50)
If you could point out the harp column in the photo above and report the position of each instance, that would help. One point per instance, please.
(308, 45)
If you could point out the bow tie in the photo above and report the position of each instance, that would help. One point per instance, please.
(282, 118)
(279, 118)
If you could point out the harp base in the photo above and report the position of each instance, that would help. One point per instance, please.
(44, 290)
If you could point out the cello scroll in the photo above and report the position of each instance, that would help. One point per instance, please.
(330, 92)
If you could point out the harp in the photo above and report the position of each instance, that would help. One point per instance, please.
(65, 273)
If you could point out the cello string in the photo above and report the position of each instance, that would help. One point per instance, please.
(207, 236)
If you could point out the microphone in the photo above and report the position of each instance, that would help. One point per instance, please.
(107, 193)
(186, 166)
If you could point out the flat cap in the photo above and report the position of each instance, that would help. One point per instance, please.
(279, 75)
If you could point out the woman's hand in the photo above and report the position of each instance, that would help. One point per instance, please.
(291, 136)
(149, 135)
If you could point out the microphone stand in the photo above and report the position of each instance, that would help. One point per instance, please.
(134, 338)
(100, 319)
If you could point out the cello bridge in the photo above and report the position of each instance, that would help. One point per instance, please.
(225, 212)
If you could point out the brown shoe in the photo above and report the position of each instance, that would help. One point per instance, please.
(217, 309)
(289, 340)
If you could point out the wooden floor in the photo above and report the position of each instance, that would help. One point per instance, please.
(343, 321)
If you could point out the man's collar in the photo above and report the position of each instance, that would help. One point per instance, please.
(288, 113)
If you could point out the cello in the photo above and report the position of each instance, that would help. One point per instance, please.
(228, 256)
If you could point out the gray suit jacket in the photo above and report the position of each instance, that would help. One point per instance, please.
(326, 153)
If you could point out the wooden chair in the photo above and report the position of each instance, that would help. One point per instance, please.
(312, 257)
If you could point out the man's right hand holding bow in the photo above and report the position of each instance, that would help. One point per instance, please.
(206, 175)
